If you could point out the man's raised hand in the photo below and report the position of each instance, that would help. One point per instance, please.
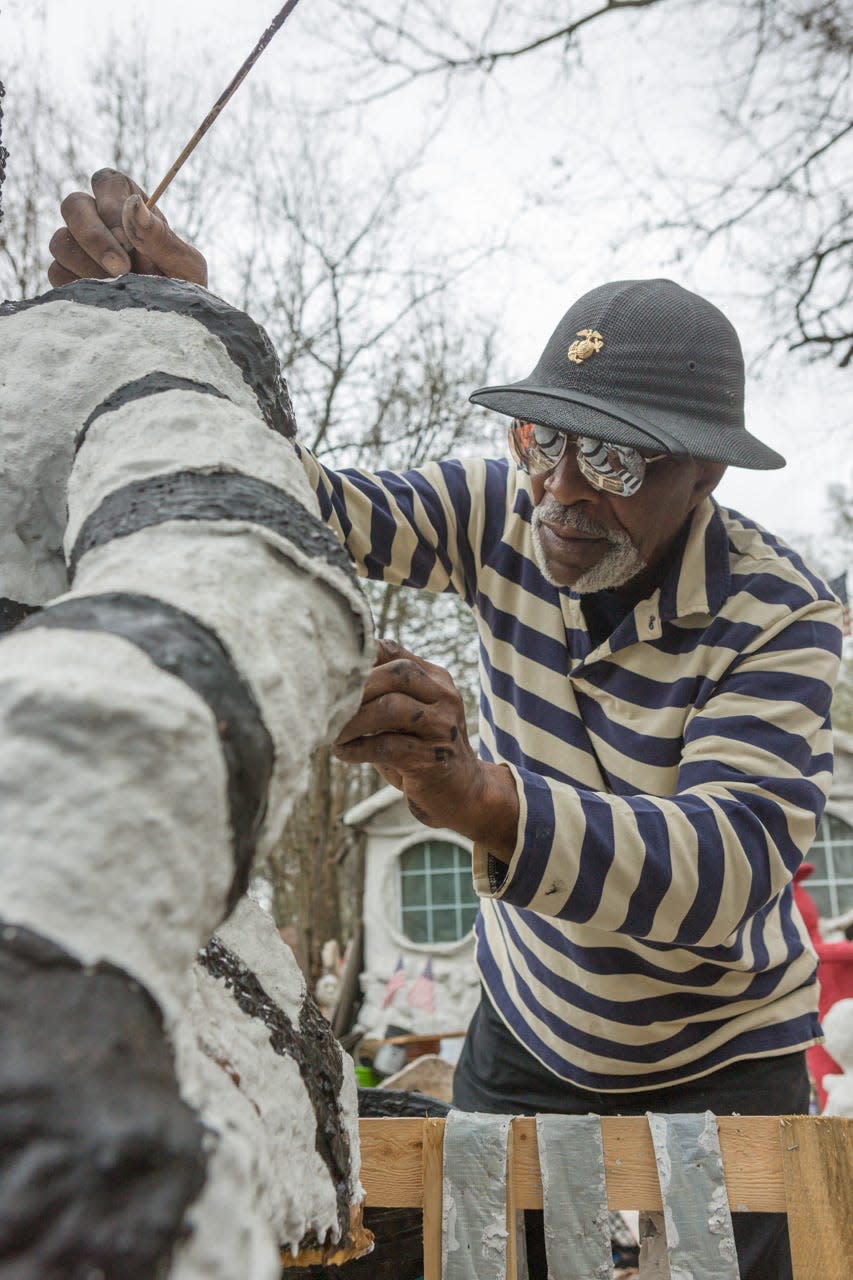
(411, 727)
(111, 232)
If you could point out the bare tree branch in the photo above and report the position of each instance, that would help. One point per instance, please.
(395, 43)
(784, 201)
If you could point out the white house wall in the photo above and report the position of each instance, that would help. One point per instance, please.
(389, 831)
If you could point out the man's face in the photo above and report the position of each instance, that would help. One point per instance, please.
(590, 540)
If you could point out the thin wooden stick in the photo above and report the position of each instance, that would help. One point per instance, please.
(276, 25)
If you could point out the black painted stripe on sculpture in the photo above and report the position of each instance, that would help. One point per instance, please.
(178, 643)
(151, 385)
(317, 1055)
(101, 1157)
(12, 612)
(245, 341)
(215, 495)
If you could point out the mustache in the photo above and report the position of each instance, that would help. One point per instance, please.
(575, 518)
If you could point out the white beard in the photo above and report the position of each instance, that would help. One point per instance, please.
(620, 562)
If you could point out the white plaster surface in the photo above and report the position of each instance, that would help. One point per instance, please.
(175, 431)
(231, 1237)
(349, 1108)
(115, 837)
(250, 933)
(58, 361)
(292, 637)
(291, 1186)
(838, 1029)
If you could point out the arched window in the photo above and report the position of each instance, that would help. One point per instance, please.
(437, 898)
(831, 886)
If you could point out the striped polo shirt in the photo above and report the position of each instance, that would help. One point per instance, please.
(670, 779)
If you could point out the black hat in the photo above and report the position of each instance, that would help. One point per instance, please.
(643, 363)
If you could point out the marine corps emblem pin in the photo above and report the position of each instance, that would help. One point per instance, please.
(592, 341)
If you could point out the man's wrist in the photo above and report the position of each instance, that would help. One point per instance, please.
(492, 822)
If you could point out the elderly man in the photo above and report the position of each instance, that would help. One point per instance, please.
(656, 678)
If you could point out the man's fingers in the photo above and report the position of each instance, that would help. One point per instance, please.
(158, 248)
(111, 190)
(111, 232)
(395, 668)
(388, 650)
(402, 676)
(94, 238)
(392, 713)
(397, 751)
(73, 259)
(58, 276)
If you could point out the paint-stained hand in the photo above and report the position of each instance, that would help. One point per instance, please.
(111, 232)
(411, 727)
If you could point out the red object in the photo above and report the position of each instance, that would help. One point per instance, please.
(835, 975)
(394, 983)
(422, 994)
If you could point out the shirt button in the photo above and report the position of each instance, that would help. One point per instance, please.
(652, 623)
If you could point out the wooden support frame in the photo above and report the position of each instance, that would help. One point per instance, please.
(798, 1165)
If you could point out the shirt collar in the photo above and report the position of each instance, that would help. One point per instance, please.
(699, 581)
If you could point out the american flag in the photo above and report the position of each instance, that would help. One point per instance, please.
(394, 983)
(839, 586)
(422, 994)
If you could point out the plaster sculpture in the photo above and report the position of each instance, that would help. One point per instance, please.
(838, 1029)
(180, 633)
(258, 1055)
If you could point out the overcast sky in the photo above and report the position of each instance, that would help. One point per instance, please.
(548, 161)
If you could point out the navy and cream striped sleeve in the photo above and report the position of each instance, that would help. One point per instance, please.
(419, 528)
(755, 766)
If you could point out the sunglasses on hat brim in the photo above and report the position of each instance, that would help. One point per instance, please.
(614, 468)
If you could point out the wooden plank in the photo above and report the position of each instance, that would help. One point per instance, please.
(433, 1150)
(511, 1209)
(392, 1160)
(392, 1163)
(817, 1162)
(752, 1164)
